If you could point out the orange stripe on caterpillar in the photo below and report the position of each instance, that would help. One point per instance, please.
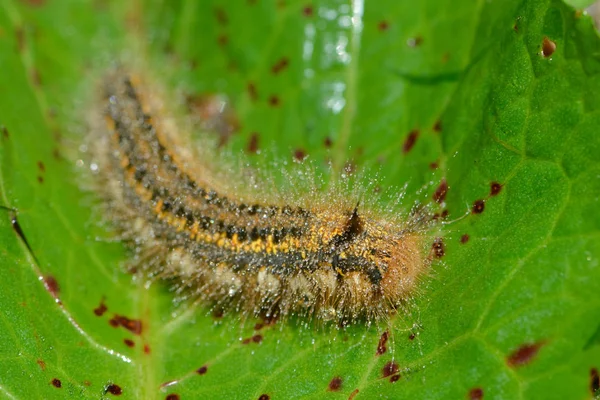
(321, 260)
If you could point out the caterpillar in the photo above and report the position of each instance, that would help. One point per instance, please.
(244, 250)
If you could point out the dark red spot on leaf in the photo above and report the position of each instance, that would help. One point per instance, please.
(464, 238)
(36, 79)
(410, 141)
(146, 349)
(594, 381)
(42, 364)
(280, 65)
(299, 154)
(476, 394)
(437, 127)
(335, 384)
(172, 396)
(411, 336)
(113, 389)
(495, 188)
(548, 47)
(524, 354)
(257, 338)
(389, 369)
(438, 248)
(353, 394)
(40, 179)
(51, 285)
(202, 370)
(101, 309)
(264, 397)
(274, 101)
(307, 11)
(222, 40)
(56, 383)
(383, 26)
(129, 342)
(440, 193)
(41, 166)
(395, 378)
(434, 165)
(381, 346)
(132, 325)
(221, 16)
(478, 206)
(327, 142)
(253, 143)
(252, 91)
(414, 41)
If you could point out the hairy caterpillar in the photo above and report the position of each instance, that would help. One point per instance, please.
(266, 255)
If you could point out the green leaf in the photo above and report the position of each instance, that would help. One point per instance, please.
(496, 95)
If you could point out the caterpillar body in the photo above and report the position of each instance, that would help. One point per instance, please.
(261, 255)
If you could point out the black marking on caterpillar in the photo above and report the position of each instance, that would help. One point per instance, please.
(261, 255)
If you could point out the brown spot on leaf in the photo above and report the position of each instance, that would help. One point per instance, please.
(434, 165)
(221, 16)
(20, 34)
(307, 11)
(437, 127)
(264, 397)
(202, 370)
(56, 383)
(389, 369)
(412, 336)
(327, 142)
(464, 238)
(524, 354)
(252, 93)
(476, 394)
(478, 206)
(257, 338)
(395, 378)
(353, 394)
(172, 396)
(383, 26)
(410, 141)
(274, 101)
(222, 40)
(36, 79)
(548, 47)
(113, 389)
(42, 364)
(280, 65)
(132, 325)
(299, 155)
(495, 188)
(41, 166)
(4, 132)
(129, 342)
(101, 309)
(51, 285)
(438, 248)
(440, 193)
(40, 179)
(381, 346)
(414, 41)
(335, 384)
(253, 143)
(146, 349)
(594, 381)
